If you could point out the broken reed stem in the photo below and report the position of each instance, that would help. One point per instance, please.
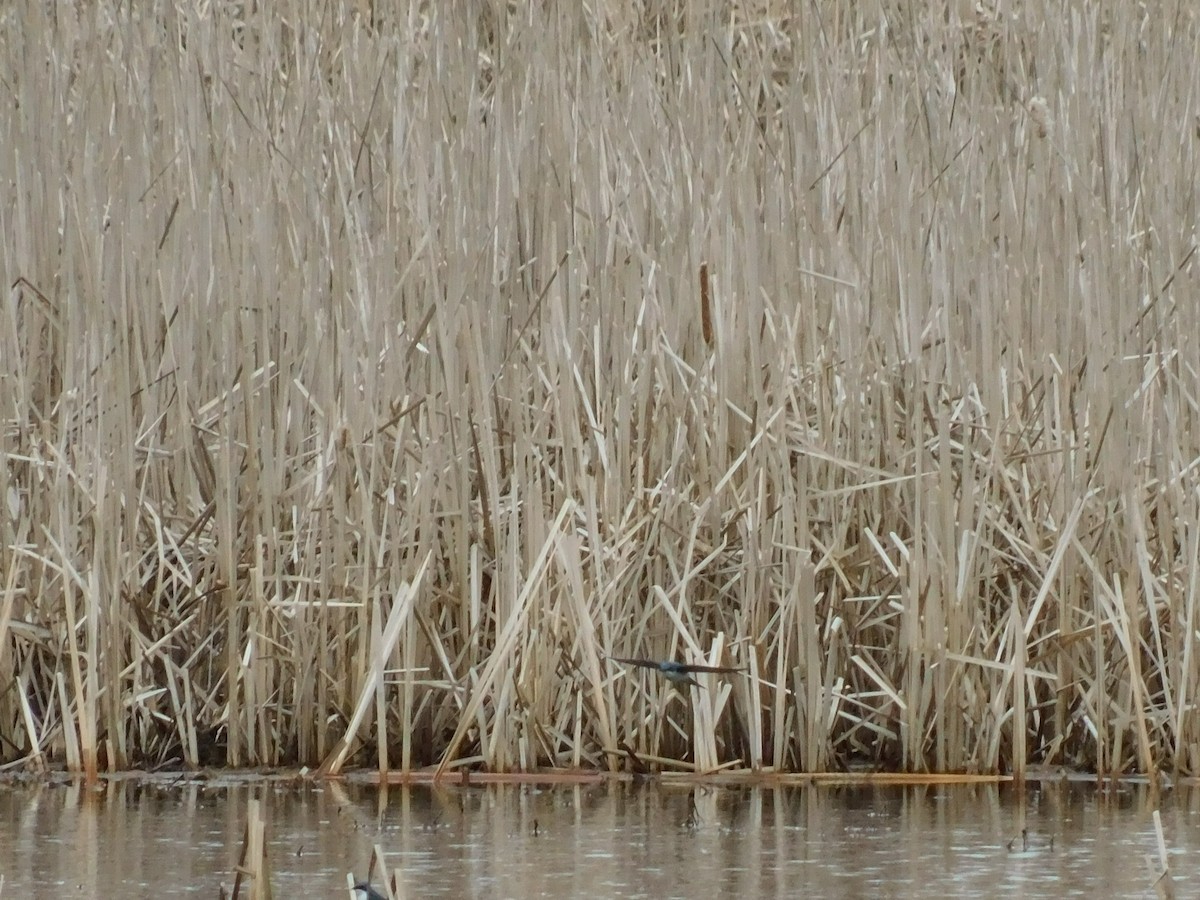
(252, 865)
(385, 882)
(1160, 871)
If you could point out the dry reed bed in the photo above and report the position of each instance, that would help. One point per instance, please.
(367, 382)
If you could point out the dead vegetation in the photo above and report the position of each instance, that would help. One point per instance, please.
(368, 376)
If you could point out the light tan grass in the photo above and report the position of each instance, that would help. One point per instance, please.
(369, 378)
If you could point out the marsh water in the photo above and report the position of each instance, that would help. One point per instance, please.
(136, 838)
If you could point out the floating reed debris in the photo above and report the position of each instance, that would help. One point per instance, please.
(355, 402)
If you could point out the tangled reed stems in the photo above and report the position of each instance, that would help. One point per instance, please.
(370, 377)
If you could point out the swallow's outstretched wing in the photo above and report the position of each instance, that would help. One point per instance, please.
(675, 671)
(695, 667)
(644, 663)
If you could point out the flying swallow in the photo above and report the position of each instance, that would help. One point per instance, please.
(676, 672)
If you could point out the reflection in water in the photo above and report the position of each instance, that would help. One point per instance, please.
(142, 839)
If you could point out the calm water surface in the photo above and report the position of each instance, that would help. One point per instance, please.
(129, 839)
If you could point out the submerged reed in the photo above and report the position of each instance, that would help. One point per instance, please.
(369, 378)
